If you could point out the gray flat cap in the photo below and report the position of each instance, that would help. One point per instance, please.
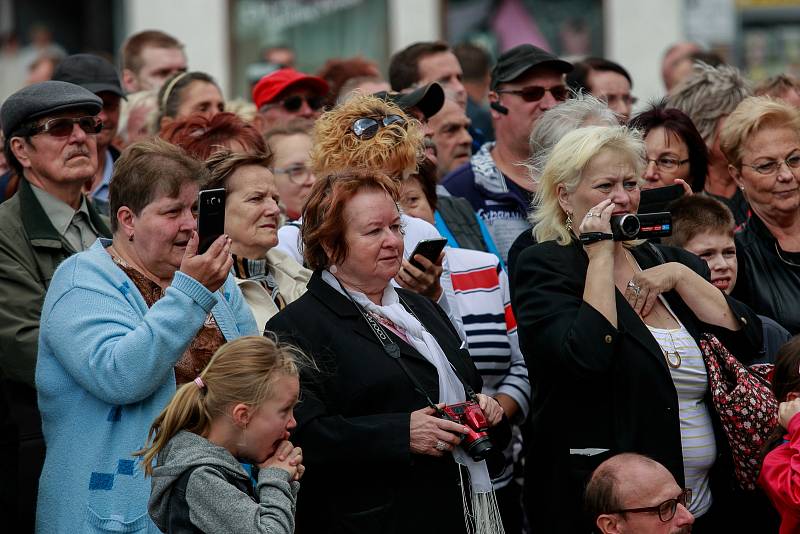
(45, 98)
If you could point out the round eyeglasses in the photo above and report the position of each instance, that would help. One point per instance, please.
(367, 127)
(297, 173)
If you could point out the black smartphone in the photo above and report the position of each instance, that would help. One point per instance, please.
(430, 248)
(210, 217)
(658, 199)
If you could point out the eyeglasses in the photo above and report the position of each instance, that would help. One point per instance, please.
(367, 127)
(297, 174)
(666, 510)
(666, 163)
(534, 93)
(628, 100)
(63, 126)
(771, 167)
(293, 103)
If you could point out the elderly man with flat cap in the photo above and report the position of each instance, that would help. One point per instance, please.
(50, 131)
(525, 82)
(99, 76)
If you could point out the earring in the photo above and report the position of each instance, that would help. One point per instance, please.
(332, 269)
(130, 237)
(568, 222)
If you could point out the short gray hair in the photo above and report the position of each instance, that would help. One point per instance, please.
(709, 94)
(581, 110)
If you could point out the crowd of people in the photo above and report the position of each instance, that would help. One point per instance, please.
(425, 311)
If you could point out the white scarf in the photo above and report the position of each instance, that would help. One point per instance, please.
(486, 516)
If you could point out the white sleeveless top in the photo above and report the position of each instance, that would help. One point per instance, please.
(697, 434)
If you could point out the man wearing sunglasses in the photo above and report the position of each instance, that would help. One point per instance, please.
(50, 131)
(100, 77)
(632, 494)
(285, 95)
(525, 82)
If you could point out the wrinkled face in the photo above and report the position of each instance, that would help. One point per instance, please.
(775, 195)
(666, 147)
(275, 114)
(613, 88)
(609, 174)
(271, 422)
(163, 229)
(48, 159)
(292, 168)
(414, 202)
(719, 252)
(159, 64)
(110, 117)
(516, 125)
(201, 97)
(443, 67)
(450, 136)
(251, 211)
(374, 239)
(137, 123)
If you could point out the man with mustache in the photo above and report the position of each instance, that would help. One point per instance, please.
(50, 131)
(100, 77)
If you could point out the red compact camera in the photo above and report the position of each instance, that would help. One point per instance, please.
(476, 442)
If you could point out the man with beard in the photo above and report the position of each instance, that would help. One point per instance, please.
(100, 77)
(632, 494)
(50, 131)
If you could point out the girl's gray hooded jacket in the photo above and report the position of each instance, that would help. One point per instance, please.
(215, 504)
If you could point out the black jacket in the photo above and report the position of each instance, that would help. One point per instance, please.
(597, 386)
(767, 283)
(353, 420)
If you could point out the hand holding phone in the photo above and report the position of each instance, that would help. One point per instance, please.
(430, 249)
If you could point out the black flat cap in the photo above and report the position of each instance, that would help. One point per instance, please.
(428, 99)
(45, 98)
(91, 72)
(514, 62)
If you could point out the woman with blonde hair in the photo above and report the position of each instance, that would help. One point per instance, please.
(240, 407)
(609, 331)
(761, 140)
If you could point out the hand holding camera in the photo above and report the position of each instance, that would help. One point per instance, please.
(432, 435)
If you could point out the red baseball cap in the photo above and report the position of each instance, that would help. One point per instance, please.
(274, 83)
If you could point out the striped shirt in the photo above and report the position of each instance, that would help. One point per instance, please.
(477, 290)
(697, 434)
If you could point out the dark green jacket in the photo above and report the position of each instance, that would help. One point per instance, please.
(30, 251)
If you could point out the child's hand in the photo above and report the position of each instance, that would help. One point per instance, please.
(287, 457)
(787, 410)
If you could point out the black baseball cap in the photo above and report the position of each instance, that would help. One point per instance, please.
(429, 99)
(515, 62)
(90, 72)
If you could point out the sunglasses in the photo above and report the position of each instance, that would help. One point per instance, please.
(293, 103)
(534, 93)
(62, 127)
(367, 127)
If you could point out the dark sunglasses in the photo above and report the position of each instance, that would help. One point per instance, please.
(62, 127)
(293, 103)
(666, 510)
(367, 127)
(534, 93)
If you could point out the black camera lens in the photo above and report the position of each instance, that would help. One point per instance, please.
(629, 225)
(480, 448)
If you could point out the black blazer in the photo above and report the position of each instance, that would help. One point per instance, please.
(597, 386)
(354, 415)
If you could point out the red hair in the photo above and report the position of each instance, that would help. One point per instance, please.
(201, 136)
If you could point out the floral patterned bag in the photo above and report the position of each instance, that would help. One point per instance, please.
(745, 404)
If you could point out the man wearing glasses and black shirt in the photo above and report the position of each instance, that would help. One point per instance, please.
(285, 95)
(526, 82)
(50, 131)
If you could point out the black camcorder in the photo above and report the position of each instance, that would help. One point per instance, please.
(641, 226)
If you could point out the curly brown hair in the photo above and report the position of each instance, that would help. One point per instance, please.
(395, 149)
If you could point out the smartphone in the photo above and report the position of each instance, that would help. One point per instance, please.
(430, 248)
(210, 217)
(658, 199)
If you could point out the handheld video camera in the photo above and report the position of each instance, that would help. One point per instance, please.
(641, 226)
(476, 442)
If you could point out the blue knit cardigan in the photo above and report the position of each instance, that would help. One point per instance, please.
(104, 373)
